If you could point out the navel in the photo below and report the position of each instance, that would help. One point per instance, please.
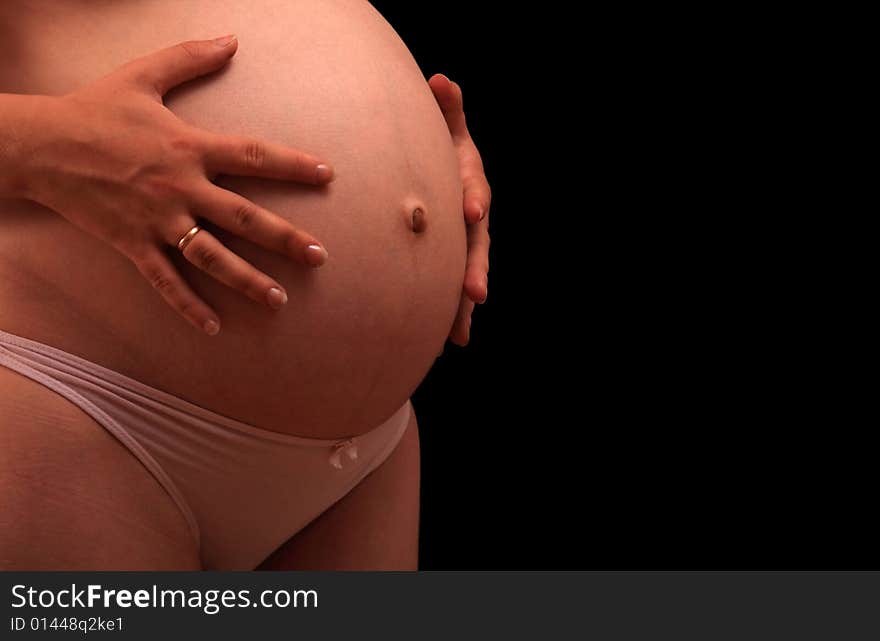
(418, 220)
(415, 217)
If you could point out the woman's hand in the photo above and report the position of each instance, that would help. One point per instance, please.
(114, 161)
(477, 198)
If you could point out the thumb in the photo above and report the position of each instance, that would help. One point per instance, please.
(167, 68)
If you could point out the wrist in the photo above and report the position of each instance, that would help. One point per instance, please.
(23, 121)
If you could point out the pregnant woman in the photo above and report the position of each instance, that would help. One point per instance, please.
(209, 340)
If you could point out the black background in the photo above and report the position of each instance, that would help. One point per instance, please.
(648, 385)
(503, 464)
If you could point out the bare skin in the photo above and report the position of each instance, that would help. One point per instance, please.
(156, 173)
(149, 176)
(107, 512)
(386, 507)
(110, 513)
(477, 201)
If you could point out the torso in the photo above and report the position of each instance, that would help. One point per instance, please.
(329, 77)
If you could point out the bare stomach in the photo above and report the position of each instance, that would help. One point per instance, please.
(332, 78)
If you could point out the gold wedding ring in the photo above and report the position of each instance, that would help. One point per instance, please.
(187, 238)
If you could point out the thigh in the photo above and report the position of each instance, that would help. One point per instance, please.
(73, 496)
(373, 527)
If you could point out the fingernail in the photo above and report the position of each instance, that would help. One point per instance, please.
(324, 173)
(224, 40)
(211, 327)
(276, 298)
(316, 255)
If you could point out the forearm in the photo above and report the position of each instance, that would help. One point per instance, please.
(19, 123)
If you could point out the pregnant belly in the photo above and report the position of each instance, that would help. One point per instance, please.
(357, 335)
